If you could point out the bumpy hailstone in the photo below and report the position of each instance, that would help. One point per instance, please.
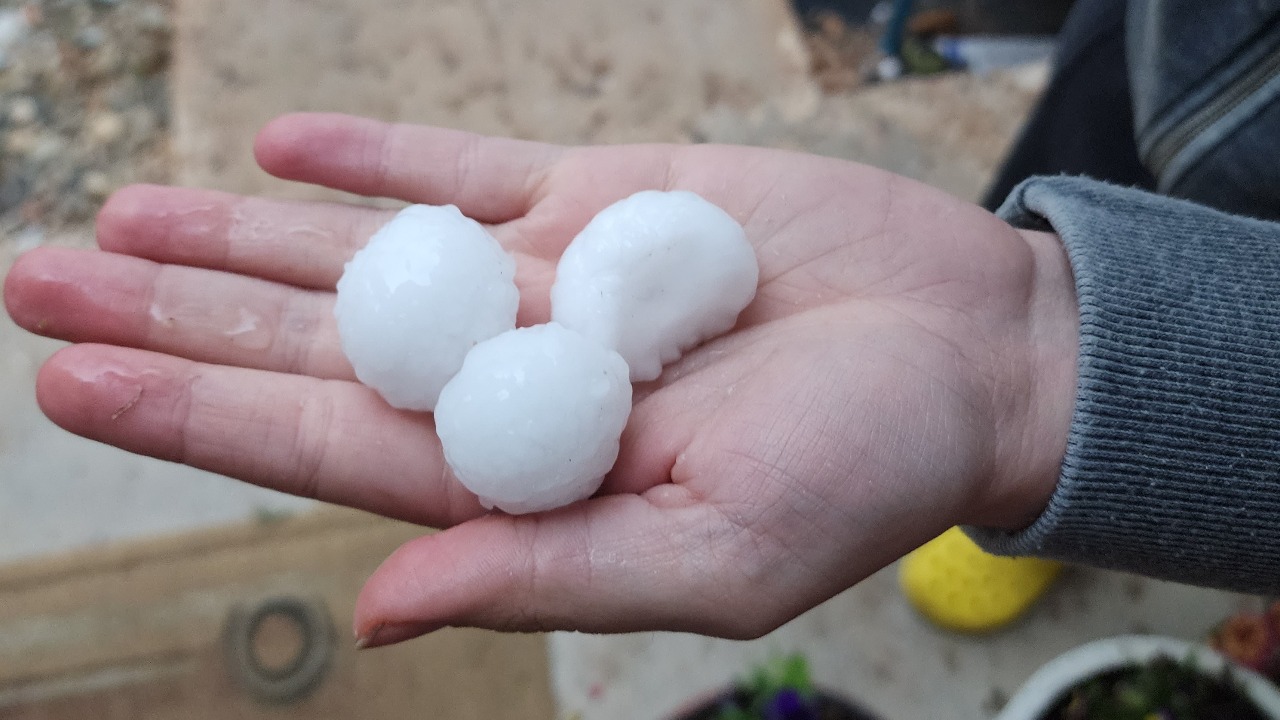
(533, 419)
(653, 275)
(429, 286)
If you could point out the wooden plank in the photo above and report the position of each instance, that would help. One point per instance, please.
(136, 631)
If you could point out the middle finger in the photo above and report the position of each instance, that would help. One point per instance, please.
(300, 243)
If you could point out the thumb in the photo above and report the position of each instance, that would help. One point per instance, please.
(619, 563)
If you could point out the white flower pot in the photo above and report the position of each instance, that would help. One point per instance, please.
(1048, 685)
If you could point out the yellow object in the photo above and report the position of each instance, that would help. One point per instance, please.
(957, 585)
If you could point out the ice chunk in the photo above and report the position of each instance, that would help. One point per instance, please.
(533, 419)
(653, 275)
(429, 286)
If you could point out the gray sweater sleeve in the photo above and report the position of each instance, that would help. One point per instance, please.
(1173, 461)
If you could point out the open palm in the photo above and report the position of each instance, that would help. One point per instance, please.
(906, 365)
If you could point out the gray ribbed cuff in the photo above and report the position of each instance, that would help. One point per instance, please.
(1173, 461)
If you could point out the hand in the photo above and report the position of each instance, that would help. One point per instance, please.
(908, 364)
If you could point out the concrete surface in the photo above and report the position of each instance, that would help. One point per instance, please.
(950, 131)
(870, 645)
(59, 492)
(570, 71)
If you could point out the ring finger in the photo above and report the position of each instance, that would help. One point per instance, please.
(203, 315)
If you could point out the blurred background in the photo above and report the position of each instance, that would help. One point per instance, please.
(131, 588)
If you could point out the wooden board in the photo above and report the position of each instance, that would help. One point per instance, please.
(136, 631)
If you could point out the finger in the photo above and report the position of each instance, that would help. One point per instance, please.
(616, 564)
(89, 296)
(489, 179)
(329, 440)
(303, 244)
(299, 243)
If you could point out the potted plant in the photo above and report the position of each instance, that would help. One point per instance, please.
(1144, 678)
(780, 689)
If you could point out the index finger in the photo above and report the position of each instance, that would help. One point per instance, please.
(490, 179)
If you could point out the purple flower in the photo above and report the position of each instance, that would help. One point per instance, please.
(789, 705)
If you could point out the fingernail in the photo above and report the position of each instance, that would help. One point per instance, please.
(367, 639)
(392, 633)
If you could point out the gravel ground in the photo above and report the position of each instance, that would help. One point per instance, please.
(84, 108)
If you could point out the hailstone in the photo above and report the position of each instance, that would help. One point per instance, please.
(653, 275)
(533, 419)
(429, 285)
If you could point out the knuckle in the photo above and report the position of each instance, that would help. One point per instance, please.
(310, 444)
(381, 149)
(296, 335)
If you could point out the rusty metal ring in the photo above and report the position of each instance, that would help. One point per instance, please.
(303, 673)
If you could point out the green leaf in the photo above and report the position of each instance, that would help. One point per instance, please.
(794, 674)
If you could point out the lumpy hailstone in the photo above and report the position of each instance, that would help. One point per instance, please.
(532, 420)
(429, 285)
(653, 275)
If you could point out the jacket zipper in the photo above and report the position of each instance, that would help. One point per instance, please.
(1181, 134)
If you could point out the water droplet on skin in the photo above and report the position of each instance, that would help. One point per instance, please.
(255, 229)
(117, 388)
(248, 323)
(195, 221)
(240, 325)
(159, 316)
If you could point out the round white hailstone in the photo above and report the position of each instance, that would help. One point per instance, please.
(429, 286)
(533, 419)
(653, 275)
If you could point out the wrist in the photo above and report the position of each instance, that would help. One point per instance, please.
(1034, 434)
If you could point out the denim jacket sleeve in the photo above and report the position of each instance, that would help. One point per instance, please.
(1173, 461)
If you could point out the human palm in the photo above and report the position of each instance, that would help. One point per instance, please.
(906, 365)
